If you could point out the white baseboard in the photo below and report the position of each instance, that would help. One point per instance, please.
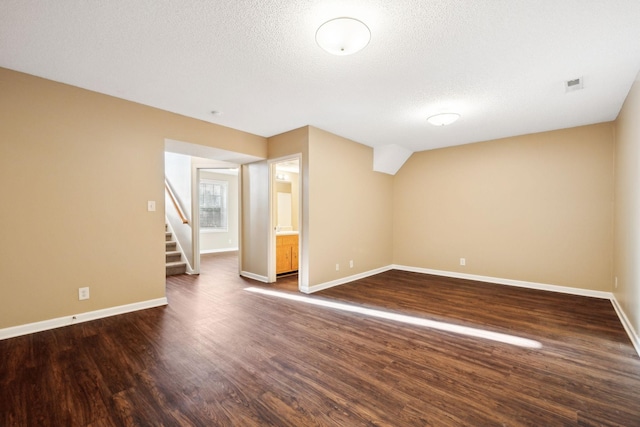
(342, 281)
(263, 279)
(59, 322)
(628, 327)
(216, 251)
(633, 335)
(508, 282)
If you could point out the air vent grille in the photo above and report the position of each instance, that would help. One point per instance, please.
(573, 84)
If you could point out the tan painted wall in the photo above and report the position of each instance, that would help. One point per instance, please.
(283, 187)
(534, 208)
(76, 171)
(77, 167)
(350, 211)
(627, 219)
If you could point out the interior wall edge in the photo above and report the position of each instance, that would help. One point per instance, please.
(343, 280)
(259, 278)
(626, 323)
(509, 282)
(217, 251)
(628, 327)
(59, 322)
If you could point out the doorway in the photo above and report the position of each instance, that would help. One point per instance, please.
(285, 218)
(216, 228)
(218, 209)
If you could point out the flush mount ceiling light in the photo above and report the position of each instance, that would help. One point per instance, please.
(343, 36)
(443, 119)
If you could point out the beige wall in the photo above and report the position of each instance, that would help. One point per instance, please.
(76, 171)
(627, 220)
(350, 209)
(78, 167)
(283, 187)
(535, 208)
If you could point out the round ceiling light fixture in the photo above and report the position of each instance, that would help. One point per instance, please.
(443, 119)
(343, 36)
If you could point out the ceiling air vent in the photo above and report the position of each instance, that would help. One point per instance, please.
(572, 85)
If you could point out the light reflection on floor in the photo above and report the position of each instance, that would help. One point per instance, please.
(412, 320)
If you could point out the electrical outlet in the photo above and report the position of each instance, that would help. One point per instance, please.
(351, 264)
(337, 267)
(463, 261)
(83, 293)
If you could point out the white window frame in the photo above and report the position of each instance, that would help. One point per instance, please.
(225, 206)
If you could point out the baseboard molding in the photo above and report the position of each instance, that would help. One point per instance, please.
(342, 281)
(59, 322)
(633, 335)
(508, 282)
(263, 279)
(216, 251)
(628, 327)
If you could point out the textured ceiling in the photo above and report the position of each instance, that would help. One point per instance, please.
(501, 64)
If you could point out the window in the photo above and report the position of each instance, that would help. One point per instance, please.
(213, 204)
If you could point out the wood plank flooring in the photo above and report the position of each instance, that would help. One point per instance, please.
(219, 355)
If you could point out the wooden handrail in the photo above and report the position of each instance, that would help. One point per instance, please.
(181, 214)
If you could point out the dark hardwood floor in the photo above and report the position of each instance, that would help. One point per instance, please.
(219, 355)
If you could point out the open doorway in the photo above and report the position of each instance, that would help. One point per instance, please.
(285, 217)
(217, 205)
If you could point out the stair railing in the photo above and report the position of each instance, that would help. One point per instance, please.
(179, 210)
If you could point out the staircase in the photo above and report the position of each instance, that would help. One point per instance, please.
(174, 263)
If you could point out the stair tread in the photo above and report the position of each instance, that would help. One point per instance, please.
(171, 252)
(175, 263)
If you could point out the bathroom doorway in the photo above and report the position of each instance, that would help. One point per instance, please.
(285, 218)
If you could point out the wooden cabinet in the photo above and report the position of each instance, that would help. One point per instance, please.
(286, 253)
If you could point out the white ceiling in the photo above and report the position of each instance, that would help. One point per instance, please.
(501, 64)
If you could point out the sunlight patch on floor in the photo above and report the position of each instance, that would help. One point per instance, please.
(411, 320)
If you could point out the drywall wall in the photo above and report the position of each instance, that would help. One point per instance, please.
(535, 208)
(255, 225)
(627, 212)
(78, 168)
(177, 171)
(350, 209)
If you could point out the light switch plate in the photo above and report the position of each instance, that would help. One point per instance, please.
(151, 206)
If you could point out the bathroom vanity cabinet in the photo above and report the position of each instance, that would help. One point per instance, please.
(286, 253)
